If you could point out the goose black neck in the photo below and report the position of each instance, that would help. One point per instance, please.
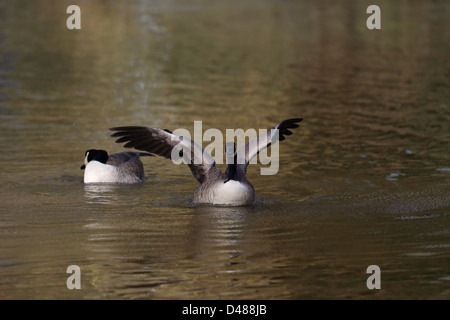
(232, 170)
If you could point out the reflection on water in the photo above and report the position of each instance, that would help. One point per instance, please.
(101, 193)
(363, 181)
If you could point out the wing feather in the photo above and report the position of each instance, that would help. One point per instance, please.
(277, 133)
(166, 144)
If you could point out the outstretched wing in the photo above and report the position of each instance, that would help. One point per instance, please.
(168, 145)
(116, 159)
(277, 133)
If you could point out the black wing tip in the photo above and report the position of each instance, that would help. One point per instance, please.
(125, 131)
(292, 121)
(122, 128)
(127, 128)
(285, 125)
(145, 154)
(288, 124)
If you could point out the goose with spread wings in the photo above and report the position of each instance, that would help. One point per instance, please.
(216, 187)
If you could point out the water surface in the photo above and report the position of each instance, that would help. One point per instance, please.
(364, 180)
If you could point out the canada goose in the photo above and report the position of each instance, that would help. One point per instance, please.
(216, 187)
(123, 167)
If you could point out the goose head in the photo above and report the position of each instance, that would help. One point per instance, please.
(93, 154)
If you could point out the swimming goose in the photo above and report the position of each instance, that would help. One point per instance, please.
(123, 167)
(216, 187)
